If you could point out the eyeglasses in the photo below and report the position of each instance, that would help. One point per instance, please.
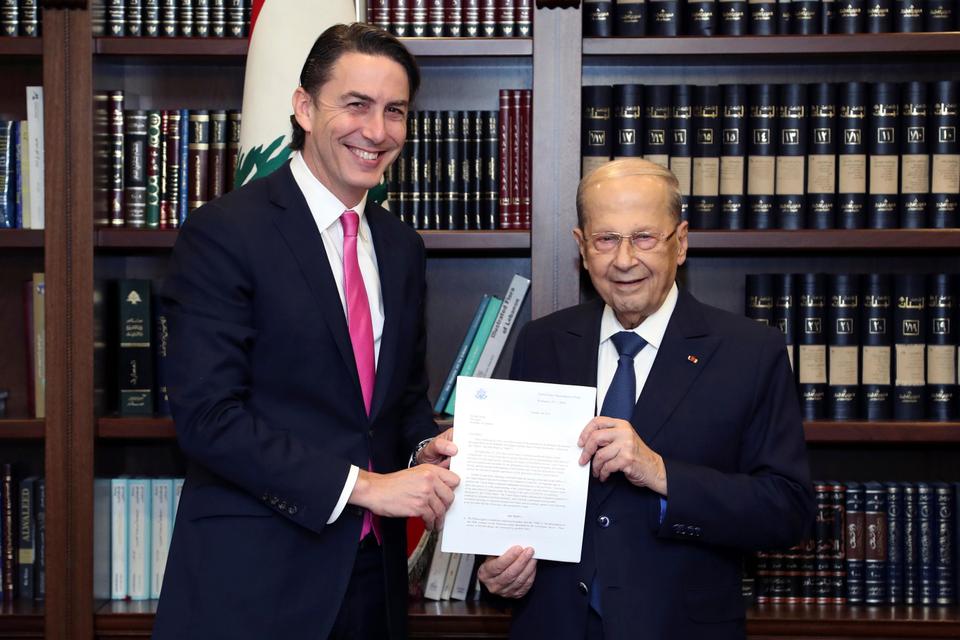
(609, 241)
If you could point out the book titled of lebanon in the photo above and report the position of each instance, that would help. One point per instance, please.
(914, 157)
(681, 142)
(945, 155)
(852, 156)
(759, 290)
(705, 186)
(790, 182)
(733, 17)
(733, 155)
(597, 18)
(761, 155)
(822, 157)
(884, 150)
(843, 340)
(664, 18)
(596, 124)
(135, 354)
(941, 348)
(631, 18)
(876, 356)
(784, 312)
(909, 321)
(850, 17)
(627, 121)
(490, 314)
(854, 542)
(812, 363)
(894, 491)
(762, 17)
(656, 124)
(875, 548)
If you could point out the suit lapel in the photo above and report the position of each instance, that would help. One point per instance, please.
(391, 290)
(293, 219)
(576, 346)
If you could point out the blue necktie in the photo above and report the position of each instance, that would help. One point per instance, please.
(619, 402)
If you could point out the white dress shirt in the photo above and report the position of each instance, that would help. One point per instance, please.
(326, 210)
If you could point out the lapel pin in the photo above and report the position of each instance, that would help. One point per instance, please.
(693, 359)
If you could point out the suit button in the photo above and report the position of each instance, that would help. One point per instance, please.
(603, 521)
(274, 499)
(678, 528)
(292, 509)
(265, 497)
(583, 588)
(283, 505)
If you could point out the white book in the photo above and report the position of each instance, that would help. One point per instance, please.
(437, 573)
(118, 538)
(24, 176)
(461, 584)
(502, 325)
(138, 545)
(177, 490)
(161, 521)
(35, 126)
(450, 577)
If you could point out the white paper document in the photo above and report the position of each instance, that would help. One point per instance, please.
(520, 483)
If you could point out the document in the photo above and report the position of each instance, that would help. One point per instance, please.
(520, 483)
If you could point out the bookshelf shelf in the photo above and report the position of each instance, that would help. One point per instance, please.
(126, 239)
(895, 432)
(21, 46)
(21, 429)
(136, 428)
(853, 44)
(21, 238)
(21, 619)
(456, 47)
(827, 240)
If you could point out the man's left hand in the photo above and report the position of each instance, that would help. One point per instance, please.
(439, 450)
(615, 446)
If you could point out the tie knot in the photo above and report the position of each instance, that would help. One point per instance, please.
(350, 222)
(628, 343)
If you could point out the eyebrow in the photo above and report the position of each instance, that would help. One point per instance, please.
(366, 98)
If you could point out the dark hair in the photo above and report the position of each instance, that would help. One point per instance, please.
(349, 38)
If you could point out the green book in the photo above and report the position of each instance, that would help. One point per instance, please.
(479, 340)
(135, 375)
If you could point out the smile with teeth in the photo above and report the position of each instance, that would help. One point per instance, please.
(364, 155)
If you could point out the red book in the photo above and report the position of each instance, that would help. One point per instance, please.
(516, 137)
(505, 18)
(453, 18)
(488, 18)
(524, 18)
(526, 113)
(505, 158)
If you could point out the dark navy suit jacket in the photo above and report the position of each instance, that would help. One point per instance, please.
(728, 426)
(268, 410)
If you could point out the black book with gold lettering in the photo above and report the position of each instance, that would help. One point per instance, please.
(784, 17)
(762, 17)
(785, 312)
(761, 155)
(681, 142)
(850, 16)
(822, 157)
(945, 155)
(135, 167)
(876, 352)
(135, 352)
(491, 204)
(198, 150)
(451, 207)
(412, 149)
(852, 156)
(705, 184)
(701, 18)
(217, 172)
(939, 16)
(760, 295)
(843, 340)
(908, 16)
(631, 18)
(733, 157)
(884, 149)
(597, 18)
(596, 142)
(806, 17)
(656, 124)
(910, 345)
(664, 18)
(879, 16)
(732, 17)
(627, 121)
(789, 204)
(812, 356)
(941, 347)
(914, 156)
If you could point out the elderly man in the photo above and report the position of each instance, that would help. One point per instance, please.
(697, 452)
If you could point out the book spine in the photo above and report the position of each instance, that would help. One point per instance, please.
(154, 169)
(884, 150)
(102, 164)
(506, 22)
(135, 348)
(761, 156)
(784, 312)
(915, 156)
(524, 18)
(184, 151)
(161, 527)
(506, 158)
(234, 119)
(476, 347)
(790, 179)
(733, 152)
(450, 172)
(466, 153)
(705, 187)
(664, 18)
(940, 16)
(218, 19)
(827, 16)
(854, 542)
(516, 158)
(151, 18)
(138, 555)
(29, 18)
(493, 178)
(631, 18)
(412, 174)
(161, 334)
(876, 353)
(471, 18)
(875, 550)
(894, 493)
(926, 583)
(35, 155)
(118, 539)
(597, 18)
(941, 348)
(116, 18)
(944, 558)
(822, 158)
(488, 18)
(526, 162)
(134, 18)
(40, 576)
(762, 17)
(823, 532)
(116, 159)
(502, 325)
(760, 296)
(843, 355)
(453, 18)
(8, 175)
(733, 17)
(135, 168)
(879, 16)
(185, 18)
(26, 539)
(9, 18)
(168, 18)
(838, 566)
(701, 17)
(945, 152)
(681, 142)
(169, 213)
(850, 17)
(458, 360)
(656, 124)
(217, 169)
(627, 121)
(908, 16)
(198, 149)
(813, 348)
(39, 291)
(806, 18)
(910, 325)
(911, 559)
(379, 14)
(852, 157)
(435, 19)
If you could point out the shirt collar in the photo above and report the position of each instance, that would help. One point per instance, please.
(651, 329)
(325, 207)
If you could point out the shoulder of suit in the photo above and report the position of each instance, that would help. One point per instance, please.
(239, 206)
(567, 319)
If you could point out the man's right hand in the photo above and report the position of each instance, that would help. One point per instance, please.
(511, 575)
(424, 491)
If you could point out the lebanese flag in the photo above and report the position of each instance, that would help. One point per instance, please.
(281, 35)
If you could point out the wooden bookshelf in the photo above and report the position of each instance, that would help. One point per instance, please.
(827, 240)
(21, 238)
(21, 47)
(460, 241)
(22, 428)
(21, 619)
(860, 432)
(136, 428)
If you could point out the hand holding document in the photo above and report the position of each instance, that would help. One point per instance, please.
(520, 481)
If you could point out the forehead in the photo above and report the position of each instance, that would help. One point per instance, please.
(374, 75)
(627, 201)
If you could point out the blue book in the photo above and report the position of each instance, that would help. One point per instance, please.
(926, 539)
(184, 162)
(875, 552)
(476, 348)
(945, 537)
(911, 561)
(8, 178)
(18, 170)
(451, 379)
(894, 542)
(854, 551)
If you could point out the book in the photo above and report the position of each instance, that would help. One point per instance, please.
(909, 339)
(941, 353)
(944, 557)
(9, 132)
(910, 552)
(663, 18)
(926, 539)
(656, 124)
(884, 150)
(759, 293)
(875, 549)
(34, 156)
(681, 142)
(437, 572)
(597, 18)
(854, 542)
(821, 198)
(476, 347)
(761, 156)
(627, 125)
(161, 530)
(502, 325)
(630, 18)
(154, 168)
(596, 146)
(26, 538)
(9, 510)
(135, 352)
(733, 152)
(945, 155)
(908, 16)
(705, 171)
(876, 353)
(39, 343)
(843, 340)
(762, 17)
(812, 364)
(461, 355)
(784, 312)
(701, 17)
(733, 17)
(850, 17)
(894, 565)
(198, 152)
(138, 538)
(914, 156)
(879, 16)
(852, 156)
(790, 180)
(119, 532)
(135, 168)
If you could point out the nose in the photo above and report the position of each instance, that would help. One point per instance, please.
(625, 256)
(374, 126)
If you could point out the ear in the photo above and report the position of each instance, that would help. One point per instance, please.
(682, 242)
(581, 244)
(303, 108)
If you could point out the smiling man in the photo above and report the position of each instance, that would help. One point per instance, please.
(697, 454)
(296, 376)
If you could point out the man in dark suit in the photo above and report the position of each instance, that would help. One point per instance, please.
(297, 379)
(706, 460)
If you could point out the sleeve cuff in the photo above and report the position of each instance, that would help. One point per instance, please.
(348, 486)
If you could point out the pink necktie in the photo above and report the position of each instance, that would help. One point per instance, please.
(360, 327)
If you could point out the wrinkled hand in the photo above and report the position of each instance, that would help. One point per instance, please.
(511, 575)
(439, 450)
(424, 491)
(615, 446)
